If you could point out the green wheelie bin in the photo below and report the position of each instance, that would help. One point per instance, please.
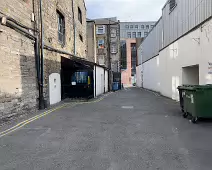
(198, 102)
(181, 90)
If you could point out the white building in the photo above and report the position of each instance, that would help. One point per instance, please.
(179, 48)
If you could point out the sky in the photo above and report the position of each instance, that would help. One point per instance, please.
(125, 10)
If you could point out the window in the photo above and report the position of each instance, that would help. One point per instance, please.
(80, 15)
(100, 29)
(145, 34)
(131, 26)
(101, 59)
(113, 33)
(61, 28)
(147, 27)
(127, 26)
(133, 58)
(123, 55)
(142, 26)
(80, 77)
(113, 49)
(136, 26)
(129, 35)
(134, 35)
(139, 34)
(172, 4)
(81, 38)
(152, 26)
(101, 43)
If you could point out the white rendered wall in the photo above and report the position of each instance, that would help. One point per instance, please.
(139, 76)
(164, 73)
(106, 81)
(100, 81)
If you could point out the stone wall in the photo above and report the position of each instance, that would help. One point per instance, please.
(18, 84)
(19, 10)
(52, 60)
(18, 80)
(81, 46)
(111, 37)
(91, 41)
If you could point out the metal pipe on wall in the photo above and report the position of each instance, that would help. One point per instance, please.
(74, 26)
(41, 104)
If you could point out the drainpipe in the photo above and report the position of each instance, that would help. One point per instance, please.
(74, 27)
(41, 104)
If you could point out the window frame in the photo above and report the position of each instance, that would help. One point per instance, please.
(142, 26)
(101, 43)
(131, 26)
(133, 34)
(136, 26)
(139, 34)
(147, 27)
(129, 33)
(113, 48)
(98, 27)
(127, 26)
(61, 27)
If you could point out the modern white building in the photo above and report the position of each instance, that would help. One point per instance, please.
(178, 50)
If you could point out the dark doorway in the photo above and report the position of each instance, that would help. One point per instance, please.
(76, 79)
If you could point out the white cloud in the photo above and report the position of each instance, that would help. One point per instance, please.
(125, 10)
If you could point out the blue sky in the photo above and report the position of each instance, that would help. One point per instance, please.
(125, 10)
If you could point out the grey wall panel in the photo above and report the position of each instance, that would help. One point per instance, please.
(184, 17)
(152, 43)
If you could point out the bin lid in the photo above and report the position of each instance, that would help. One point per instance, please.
(185, 86)
(196, 87)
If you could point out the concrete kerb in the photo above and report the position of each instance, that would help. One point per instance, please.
(51, 110)
(153, 92)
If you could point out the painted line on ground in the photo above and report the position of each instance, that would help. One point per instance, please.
(25, 122)
(155, 93)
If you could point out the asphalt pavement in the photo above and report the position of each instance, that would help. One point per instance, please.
(132, 129)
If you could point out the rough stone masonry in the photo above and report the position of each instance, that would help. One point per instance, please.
(18, 80)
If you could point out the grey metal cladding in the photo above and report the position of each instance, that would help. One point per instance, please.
(153, 42)
(184, 17)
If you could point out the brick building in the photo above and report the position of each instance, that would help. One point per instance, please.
(128, 62)
(64, 36)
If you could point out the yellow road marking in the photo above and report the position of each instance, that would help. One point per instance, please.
(24, 123)
(20, 125)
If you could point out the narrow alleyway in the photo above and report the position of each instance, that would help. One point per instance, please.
(132, 129)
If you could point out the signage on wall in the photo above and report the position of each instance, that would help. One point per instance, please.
(209, 67)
